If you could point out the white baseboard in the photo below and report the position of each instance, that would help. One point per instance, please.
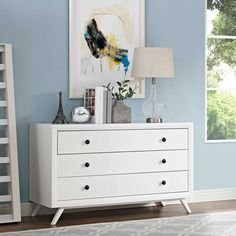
(211, 195)
(198, 196)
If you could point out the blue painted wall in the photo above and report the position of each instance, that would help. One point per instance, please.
(38, 30)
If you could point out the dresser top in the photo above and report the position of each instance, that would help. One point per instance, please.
(115, 126)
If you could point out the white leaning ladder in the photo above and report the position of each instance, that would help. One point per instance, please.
(9, 177)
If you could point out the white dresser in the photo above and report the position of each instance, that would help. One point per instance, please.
(88, 165)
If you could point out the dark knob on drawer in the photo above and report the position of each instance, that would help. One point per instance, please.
(163, 139)
(87, 141)
(164, 161)
(87, 164)
(163, 182)
(86, 187)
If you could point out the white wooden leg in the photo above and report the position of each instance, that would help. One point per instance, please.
(36, 209)
(160, 204)
(57, 216)
(186, 206)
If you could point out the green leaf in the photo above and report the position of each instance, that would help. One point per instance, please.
(119, 83)
(117, 96)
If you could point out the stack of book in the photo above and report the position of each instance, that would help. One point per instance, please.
(99, 103)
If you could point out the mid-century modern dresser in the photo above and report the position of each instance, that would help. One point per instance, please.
(90, 165)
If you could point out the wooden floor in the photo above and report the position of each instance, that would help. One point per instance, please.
(67, 219)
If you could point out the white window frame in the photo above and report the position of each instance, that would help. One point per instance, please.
(206, 80)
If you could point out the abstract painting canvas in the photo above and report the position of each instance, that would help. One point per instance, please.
(103, 35)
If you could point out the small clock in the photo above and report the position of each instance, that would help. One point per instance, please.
(80, 115)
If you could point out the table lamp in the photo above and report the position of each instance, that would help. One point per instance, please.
(150, 62)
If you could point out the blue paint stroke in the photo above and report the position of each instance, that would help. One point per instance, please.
(126, 63)
(86, 35)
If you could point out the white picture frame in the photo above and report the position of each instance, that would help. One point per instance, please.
(82, 77)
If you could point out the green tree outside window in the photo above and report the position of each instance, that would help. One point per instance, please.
(221, 71)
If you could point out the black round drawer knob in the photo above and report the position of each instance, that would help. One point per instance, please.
(86, 187)
(87, 164)
(163, 139)
(163, 182)
(164, 161)
(87, 141)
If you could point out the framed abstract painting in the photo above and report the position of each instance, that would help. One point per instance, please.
(103, 35)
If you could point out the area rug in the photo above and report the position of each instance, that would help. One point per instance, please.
(210, 224)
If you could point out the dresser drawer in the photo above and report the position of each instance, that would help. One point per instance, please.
(121, 163)
(121, 185)
(75, 142)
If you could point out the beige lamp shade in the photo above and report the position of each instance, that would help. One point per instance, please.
(153, 63)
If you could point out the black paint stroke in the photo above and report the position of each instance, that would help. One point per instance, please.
(95, 39)
(97, 42)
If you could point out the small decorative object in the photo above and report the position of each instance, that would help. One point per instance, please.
(98, 102)
(120, 112)
(60, 118)
(153, 63)
(100, 105)
(89, 101)
(80, 115)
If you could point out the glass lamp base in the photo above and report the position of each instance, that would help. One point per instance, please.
(154, 120)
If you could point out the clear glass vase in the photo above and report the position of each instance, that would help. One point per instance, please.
(152, 108)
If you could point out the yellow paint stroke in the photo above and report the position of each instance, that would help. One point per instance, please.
(113, 41)
(122, 14)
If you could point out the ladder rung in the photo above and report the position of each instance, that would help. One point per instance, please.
(2, 85)
(5, 198)
(4, 160)
(2, 67)
(4, 140)
(5, 179)
(6, 218)
(3, 103)
(1, 48)
(3, 122)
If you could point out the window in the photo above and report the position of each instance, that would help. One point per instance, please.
(221, 70)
